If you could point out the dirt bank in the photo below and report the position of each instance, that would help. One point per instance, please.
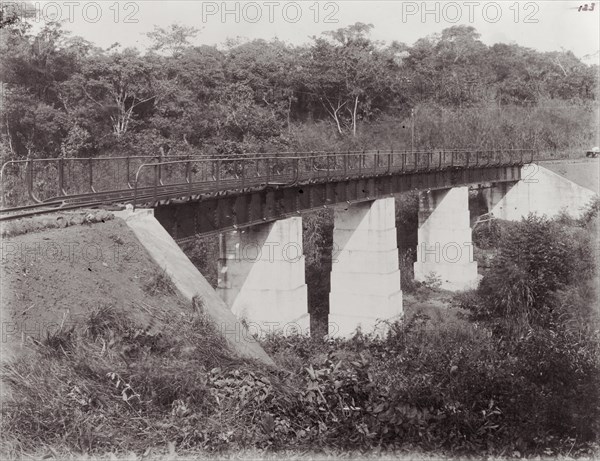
(55, 278)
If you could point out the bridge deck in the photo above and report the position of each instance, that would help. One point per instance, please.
(36, 186)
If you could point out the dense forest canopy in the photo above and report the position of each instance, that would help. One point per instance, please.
(63, 96)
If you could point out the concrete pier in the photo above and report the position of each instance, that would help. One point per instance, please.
(365, 278)
(445, 246)
(261, 276)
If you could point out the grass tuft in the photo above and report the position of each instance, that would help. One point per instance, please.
(159, 284)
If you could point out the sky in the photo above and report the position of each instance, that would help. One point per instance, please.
(545, 26)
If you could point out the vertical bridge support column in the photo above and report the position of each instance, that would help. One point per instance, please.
(445, 245)
(261, 276)
(365, 279)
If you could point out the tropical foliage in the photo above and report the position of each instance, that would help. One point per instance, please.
(63, 96)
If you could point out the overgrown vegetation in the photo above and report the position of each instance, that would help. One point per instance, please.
(520, 377)
(101, 388)
(63, 96)
(534, 260)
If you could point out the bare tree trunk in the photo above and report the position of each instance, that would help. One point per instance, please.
(354, 117)
(119, 119)
(8, 135)
(334, 113)
(289, 112)
(561, 67)
(337, 121)
(124, 116)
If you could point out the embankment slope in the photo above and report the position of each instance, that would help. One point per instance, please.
(56, 278)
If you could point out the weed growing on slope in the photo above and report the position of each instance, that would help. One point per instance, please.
(159, 283)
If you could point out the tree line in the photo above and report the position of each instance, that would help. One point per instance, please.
(64, 96)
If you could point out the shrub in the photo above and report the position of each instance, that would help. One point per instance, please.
(564, 368)
(407, 278)
(487, 234)
(535, 257)
(89, 390)
(540, 298)
(590, 213)
(453, 389)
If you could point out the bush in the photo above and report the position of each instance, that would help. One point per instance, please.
(487, 234)
(90, 390)
(564, 368)
(455, 388)
(540, 298)
(590, 213)
(535, 257)
(407, 277)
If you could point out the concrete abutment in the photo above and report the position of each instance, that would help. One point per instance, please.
(541, 191)
(190, 283)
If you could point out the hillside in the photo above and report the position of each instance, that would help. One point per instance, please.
(54, 280)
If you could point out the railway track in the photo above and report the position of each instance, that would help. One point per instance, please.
(224, 176)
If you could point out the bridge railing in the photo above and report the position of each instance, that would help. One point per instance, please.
(30, 182)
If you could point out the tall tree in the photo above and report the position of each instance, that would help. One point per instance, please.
(117, 86)
(348, 74)
(173, 40)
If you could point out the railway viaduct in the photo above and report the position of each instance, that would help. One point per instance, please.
(255, 204)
